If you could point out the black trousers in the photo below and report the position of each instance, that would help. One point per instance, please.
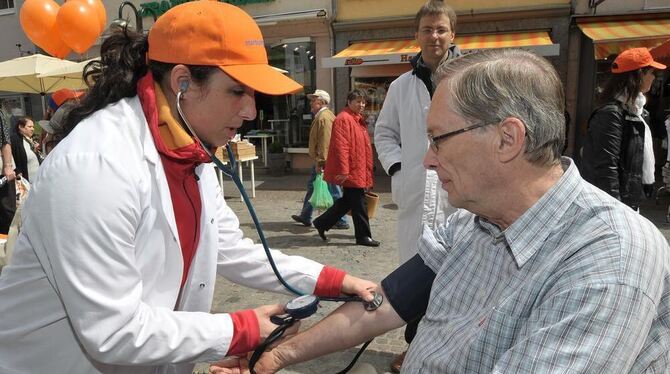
(7, 206)
(352, 199)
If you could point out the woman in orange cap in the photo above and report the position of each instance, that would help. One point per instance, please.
(618, 156)
(126, 226)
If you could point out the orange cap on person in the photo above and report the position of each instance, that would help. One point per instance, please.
(633, 59)
(217, 34)
(59, 97)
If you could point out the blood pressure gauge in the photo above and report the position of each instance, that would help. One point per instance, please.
(302, 307)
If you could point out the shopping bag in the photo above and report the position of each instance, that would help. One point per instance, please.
(321, 198)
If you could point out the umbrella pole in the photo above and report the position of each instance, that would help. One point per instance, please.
(44, 110)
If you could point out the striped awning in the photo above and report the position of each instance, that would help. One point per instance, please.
(613, 37)
(400, 51)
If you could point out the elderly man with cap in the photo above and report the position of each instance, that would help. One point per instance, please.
(60, 104)
(319, 140)
(126, 227)
(539, 271)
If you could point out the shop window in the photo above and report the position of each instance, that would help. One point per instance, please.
(297, 57)
(13, 105)
(375, 88)
(6, 7)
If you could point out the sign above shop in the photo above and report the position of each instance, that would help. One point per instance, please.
(157, 8)
(402, 51)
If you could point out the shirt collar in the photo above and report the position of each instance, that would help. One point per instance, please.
(321, 110)
(528, 233)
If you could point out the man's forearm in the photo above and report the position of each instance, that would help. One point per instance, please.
(346, 327)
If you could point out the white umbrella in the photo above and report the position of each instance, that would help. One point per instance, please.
(69, 71)
(24, 74)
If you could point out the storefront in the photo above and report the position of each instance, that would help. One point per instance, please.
(296, 34)
(375, 64)
(602, 39)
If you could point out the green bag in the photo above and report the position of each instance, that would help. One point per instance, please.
(321, 198)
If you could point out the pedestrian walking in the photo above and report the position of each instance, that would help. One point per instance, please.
(350, 166)
(319, 140)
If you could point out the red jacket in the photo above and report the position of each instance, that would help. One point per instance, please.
(350, 152)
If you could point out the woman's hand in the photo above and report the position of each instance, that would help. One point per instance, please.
(266, 326)
(356, 286)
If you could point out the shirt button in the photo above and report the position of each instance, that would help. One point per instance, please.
(202, 285)
(212, 221)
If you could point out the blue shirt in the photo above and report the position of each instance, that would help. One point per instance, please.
(579, 283)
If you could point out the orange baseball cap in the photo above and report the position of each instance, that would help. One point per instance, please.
(217, 34)
(633, 59)
(59, 97)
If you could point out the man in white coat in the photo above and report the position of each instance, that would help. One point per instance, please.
(400, 135)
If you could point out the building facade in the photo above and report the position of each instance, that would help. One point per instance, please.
(599, 31)
(374, 39)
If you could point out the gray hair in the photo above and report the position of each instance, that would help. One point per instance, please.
(491, 85)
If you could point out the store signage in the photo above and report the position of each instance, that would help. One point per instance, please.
(157, 8)
(353, 61)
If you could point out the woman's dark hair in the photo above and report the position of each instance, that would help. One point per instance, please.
(123, 61)
(356, 94)
(21, 121)
(625, 84)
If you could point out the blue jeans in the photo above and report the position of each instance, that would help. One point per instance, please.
(335, 192)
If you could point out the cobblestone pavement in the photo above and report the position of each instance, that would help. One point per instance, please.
(277, 198)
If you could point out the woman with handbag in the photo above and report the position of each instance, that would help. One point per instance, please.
(350, 166)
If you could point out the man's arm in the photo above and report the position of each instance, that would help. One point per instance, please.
(346, 327)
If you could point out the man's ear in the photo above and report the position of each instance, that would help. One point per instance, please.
(511, 139)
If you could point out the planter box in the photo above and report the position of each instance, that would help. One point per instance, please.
(276, 164)
(240, 149)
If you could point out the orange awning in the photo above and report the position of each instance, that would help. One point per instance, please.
(399, 51)
(613, 37)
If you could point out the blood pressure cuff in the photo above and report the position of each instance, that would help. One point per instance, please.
(408, 287)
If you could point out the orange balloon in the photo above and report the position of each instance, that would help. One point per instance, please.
(38, 21)
(100, 10)
(78, 25)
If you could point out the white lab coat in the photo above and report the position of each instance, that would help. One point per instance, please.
(94, 285)
(400, 136)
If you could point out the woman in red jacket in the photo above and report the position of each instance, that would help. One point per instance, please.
(350, 166)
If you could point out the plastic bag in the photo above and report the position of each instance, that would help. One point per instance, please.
(321, 198)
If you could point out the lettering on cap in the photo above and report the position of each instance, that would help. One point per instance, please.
(251, 42)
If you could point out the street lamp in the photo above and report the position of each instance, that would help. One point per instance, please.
(123, 23)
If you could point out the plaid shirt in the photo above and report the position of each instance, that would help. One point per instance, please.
(579, 283)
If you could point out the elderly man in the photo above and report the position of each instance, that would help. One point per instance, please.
(539, 272)
(319, 140)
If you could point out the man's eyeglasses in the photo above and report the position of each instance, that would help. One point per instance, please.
(435, 140)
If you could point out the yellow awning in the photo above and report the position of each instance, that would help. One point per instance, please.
(613, 37)
(399, 51)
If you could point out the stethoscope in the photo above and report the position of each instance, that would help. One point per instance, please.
(300, 307)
